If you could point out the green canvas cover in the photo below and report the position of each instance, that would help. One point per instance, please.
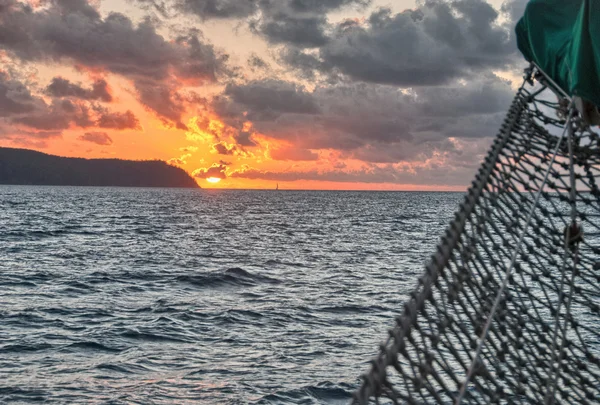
(563, 38)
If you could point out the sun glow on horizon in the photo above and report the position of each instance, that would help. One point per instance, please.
(213, 180)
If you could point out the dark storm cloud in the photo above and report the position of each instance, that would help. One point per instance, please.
(99, 138)
(61, 87)
(269, 98)
(302, 31)
(323, 6)
(432, 45)
(299, 22)
(482, 95)
(371, 122)
(209, 9)
(73, 30)
(220, 9)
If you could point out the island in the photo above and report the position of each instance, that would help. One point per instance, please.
(28, 167)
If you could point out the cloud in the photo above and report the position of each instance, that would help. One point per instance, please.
(257, 63)
(15, 97)
(240, 9)
(18, 106)
(216, 170)
(209, 9)
(267, 99)
(301, 23)
(27, 138)
(57, 116)
(99, 138)
(324, 6)
(399, 94)
(430, 175)
(117, 120)
(376, 123)
(163, 100)
(514, 9)
(431, 45)
(244, 138)
(74, 31)
(223, 148)
(64, 114)
(283, 28)
(180, 160)
(61, 87)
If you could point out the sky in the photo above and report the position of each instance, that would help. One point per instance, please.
(304, 94)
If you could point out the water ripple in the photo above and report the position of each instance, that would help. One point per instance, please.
(138, 296)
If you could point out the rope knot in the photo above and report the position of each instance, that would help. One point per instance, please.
(573, 234)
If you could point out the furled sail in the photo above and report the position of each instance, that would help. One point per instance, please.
(508, 309)
(563, 39)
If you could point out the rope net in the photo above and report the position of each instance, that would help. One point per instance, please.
(508, 310)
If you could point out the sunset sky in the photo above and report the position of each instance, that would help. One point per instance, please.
(307, 94)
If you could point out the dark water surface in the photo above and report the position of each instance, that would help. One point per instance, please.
(168, 296)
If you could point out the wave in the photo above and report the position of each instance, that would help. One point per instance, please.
(272, 262)
(322, 393)
(93, 346)
(20, 395)
(152, 337)
(233, 276)
(352, 309)
(21, 348)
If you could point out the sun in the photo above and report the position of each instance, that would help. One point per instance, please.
(213, 179)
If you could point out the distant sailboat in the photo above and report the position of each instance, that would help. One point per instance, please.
(277, 186)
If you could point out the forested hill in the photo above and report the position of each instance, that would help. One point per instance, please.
(23, 166)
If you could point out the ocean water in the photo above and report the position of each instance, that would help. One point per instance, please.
(170, 296)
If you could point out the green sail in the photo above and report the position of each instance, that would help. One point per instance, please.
(563, 38)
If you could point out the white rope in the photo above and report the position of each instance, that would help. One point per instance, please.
(549, 400)
(508, 272)
(550, 394)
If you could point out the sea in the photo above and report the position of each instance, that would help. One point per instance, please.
(197, 296)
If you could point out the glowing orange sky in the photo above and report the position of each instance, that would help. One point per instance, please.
(297, 157)
(193, 149)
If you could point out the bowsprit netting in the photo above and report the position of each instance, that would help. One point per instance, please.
(508, 309)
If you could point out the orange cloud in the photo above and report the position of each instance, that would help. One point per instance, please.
(215, 171)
